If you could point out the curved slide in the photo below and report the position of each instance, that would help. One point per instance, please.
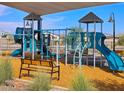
(16, 52)
(114, 61)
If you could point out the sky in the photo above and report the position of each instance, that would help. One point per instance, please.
(10, 18)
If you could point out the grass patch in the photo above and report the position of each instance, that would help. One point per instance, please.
(5, 70)
(80, 83)
(41, 83)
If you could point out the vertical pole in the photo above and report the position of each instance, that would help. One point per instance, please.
(87, 42)
(94, 56)
(57, 50)
(47, 44)
(23, 40)
(113, 33)
(41, 38)
(100, 45)
(59, 40)
(39, 24)
(59, 46)
(53, 42)
(32, 39)
(39, 34)
(66, 55)
(80, 47)
(80, 58)
(80, 32)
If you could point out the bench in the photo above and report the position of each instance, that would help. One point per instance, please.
(51, 68)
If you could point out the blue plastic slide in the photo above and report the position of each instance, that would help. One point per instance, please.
(114, 61)
(16, 52)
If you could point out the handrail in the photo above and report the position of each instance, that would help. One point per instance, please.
(82, 51)
(76, 52)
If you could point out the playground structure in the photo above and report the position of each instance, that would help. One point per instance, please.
(41, 45)
(40, 42)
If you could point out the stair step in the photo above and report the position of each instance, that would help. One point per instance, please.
(76, 57)
(77, 62)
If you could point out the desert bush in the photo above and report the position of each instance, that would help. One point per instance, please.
(40, 83)
(5, 70)
(27, 55)
(80, 83)
(121, 40)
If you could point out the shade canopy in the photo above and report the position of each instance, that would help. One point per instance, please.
(43, 8)
(91, 18)
(32, 16)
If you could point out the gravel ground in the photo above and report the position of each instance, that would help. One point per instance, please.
(7, 88)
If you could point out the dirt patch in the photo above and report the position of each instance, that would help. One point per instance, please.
(22, 85)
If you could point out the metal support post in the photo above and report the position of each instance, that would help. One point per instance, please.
(87, 42)
(57, 53)
(32, 39)
(23, 44)
(66, 52)
(94, 56)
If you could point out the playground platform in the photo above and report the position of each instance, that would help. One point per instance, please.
(88, 60)
(108, 81)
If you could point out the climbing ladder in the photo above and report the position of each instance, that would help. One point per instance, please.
(77, 58)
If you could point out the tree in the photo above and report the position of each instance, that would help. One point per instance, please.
(121, 40)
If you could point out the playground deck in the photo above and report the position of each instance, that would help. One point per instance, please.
(101, 78)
